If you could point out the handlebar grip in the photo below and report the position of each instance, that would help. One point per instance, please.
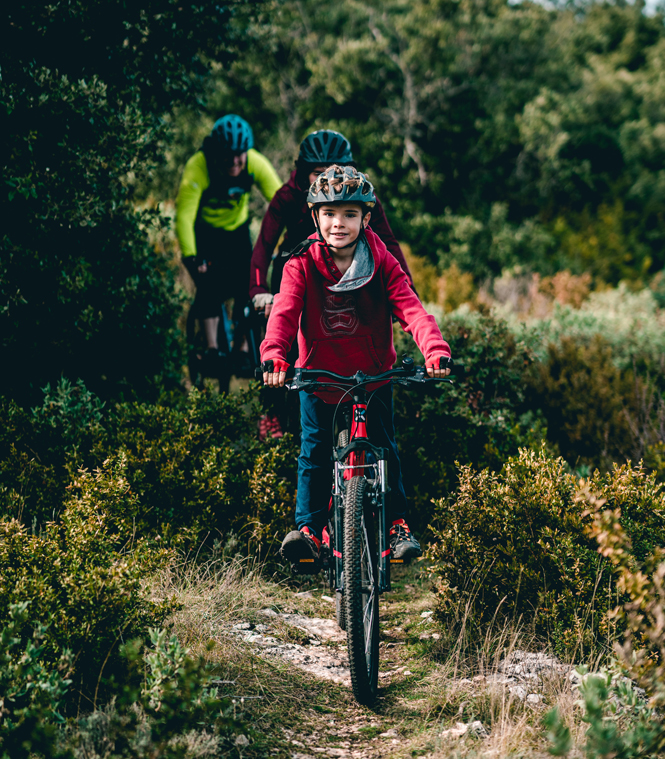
(258, 374)
(457, 370)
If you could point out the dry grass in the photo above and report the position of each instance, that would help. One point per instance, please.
(268, 693)
(451, 680)
(462, 684)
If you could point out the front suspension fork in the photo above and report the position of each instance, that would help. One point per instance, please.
(384, 542)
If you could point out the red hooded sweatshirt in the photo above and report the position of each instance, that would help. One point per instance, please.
(348, 328)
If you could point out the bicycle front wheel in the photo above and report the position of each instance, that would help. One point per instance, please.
(361, 591)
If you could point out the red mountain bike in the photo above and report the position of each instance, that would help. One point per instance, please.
(358, 562)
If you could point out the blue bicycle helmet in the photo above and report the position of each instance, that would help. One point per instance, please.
(233, 134)
(325, 147)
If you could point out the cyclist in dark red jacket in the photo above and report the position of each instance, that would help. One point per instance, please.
(288, 209)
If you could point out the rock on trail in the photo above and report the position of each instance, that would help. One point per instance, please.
(324, 655)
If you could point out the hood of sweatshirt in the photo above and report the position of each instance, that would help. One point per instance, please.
(361, 271)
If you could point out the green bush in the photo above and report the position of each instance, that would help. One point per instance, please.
(622, 721)
(585, 400)
(479, 420)
(165, 708)
(518, 542)
(629, 321)
(84, 577)
(192, 470)
(33, 695)
(600, 377)
(174, 709)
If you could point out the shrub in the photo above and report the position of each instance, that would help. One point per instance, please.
(166, 708)
(175, 705)
(188, 466)
(32, 695)
(479, 420)
(84, 577)
(31, 482)
(629, 321)
(191, 470)
(449, 290)
(272, 495)
(566, 288)
(622, 722)
(585, 398)
(518, 542)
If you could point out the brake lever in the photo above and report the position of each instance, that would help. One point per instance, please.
(296, 384)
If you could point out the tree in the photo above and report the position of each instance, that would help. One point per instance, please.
(85, 85)
(497, 133)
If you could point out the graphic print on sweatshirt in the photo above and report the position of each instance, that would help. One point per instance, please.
(339, 315)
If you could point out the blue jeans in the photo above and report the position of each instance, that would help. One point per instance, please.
(315, 460)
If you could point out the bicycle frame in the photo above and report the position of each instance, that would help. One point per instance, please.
(362, 456)
(360, 451)
(360, 563)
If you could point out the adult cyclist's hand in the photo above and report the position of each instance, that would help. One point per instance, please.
(263, 301)
(274, 372)
(438, 366)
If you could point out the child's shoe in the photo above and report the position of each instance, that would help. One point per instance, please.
(403, 546)
(303, 550)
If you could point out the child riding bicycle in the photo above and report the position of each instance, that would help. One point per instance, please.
(338, 294)
(288, 211)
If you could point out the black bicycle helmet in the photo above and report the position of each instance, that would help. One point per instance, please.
(325, 147)
(233, 134)
(341, 184)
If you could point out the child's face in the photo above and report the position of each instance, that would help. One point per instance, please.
(341, 223)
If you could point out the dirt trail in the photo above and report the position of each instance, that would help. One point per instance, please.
(349, 731)
(424, 708)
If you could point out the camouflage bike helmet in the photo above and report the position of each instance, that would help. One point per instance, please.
(232, 134)
(341, 184)
(325, 147)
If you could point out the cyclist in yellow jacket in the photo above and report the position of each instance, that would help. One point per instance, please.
(212, 220)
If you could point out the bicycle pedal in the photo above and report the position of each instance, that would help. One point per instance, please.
(397, 561)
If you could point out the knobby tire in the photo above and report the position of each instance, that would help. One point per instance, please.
(361, 592)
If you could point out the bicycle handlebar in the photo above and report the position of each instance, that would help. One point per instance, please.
(407, 374)
(404, 375)
(307, 378)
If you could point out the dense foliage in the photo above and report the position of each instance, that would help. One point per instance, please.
(498, 133)
(518, 150)
(519, 543)
(481, 418)
(180, 473)
(84, 88)
(623, 719)
(83, 577)
(167, 707)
